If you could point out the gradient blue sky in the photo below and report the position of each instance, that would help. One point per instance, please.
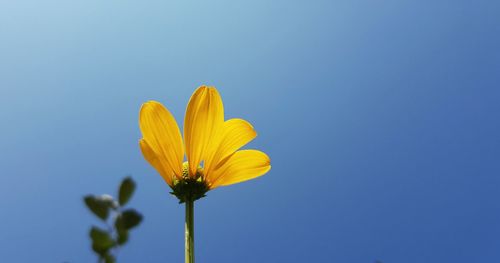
(381, 119)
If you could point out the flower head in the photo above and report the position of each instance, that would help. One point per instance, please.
(211, 146)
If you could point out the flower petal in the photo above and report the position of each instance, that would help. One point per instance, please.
(204, 117)
(241, 166)
(160, 165)
(162, 134)
(234, 135)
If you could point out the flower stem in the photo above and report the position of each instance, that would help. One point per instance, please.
(189, 231)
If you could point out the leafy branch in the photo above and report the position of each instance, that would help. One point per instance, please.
(118, 221)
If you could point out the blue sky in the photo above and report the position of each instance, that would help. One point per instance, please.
(381, 119)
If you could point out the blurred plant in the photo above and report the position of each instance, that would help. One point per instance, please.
(117, 219)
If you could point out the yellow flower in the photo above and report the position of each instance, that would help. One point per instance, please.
(210, 144)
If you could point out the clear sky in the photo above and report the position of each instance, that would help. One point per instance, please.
(381, 119)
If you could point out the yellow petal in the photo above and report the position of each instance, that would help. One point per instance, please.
(162, 134)
(241, 166)
(234, 135)
(161, 166)
(204, 117)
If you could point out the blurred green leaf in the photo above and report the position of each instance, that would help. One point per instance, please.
(126, 190)
(131, 218)
(101, 240)
(108, 258)
(108, 201)
(128, 219)
(98, 250)
(122, 237)
(98, 206)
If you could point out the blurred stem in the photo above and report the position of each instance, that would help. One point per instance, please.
(189, 231)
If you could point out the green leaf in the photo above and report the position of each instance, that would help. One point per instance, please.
(122, 237)
(98, 206)
(108, 201)
(101, 240)
(127, 188)
(129, 219)
(108, 258)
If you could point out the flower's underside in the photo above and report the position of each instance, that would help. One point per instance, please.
(210, 144)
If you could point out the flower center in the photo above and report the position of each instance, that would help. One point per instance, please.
(190, 188)
(185, 171)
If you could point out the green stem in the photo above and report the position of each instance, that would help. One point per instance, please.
(189, 231)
